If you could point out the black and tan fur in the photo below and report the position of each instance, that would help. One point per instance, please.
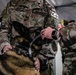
(14, 64)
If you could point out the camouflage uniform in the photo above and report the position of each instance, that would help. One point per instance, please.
(22, 15)
(68, 48)
(30, 13)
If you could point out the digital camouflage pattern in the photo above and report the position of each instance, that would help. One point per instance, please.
(33, 15)
(25, 13)
(68, 48)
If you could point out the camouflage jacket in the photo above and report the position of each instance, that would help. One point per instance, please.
(68, 37)
(22, 13)
(31, 15)
(68, 44)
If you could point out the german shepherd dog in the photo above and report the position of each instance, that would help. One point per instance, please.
(13, 62)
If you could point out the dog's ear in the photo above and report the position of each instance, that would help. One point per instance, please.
(0, 19)
(21, 29)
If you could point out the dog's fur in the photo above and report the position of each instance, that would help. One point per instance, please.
(14, 64)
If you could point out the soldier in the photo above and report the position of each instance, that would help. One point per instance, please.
(67, 39)
(29, 13)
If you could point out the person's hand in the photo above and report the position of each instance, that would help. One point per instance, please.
(6, 48)
(47, 33)
(37, 63)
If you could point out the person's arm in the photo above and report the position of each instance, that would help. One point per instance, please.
(4, 42)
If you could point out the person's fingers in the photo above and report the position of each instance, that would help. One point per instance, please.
(37, 66)
(6, 48)
(10, 47)
(43, 34)
(42, 30)
(35, 59)
(37, 63)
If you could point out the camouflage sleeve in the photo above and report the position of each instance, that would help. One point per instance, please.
(3, 39)
(67, 34)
